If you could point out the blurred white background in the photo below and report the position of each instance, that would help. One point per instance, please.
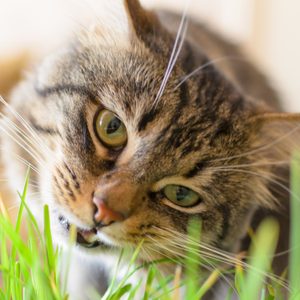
(267, 29)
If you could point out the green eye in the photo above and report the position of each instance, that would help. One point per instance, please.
(181, 195)
(110, 129)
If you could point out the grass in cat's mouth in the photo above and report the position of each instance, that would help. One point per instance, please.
(85, 238)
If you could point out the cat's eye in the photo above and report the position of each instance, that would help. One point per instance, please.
(181, 195)
(110, 129)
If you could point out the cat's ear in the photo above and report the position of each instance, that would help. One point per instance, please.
(142, 22)
(277, 135)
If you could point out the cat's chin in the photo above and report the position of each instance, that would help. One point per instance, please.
(87, 239)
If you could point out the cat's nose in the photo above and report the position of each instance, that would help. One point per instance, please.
(104, 215)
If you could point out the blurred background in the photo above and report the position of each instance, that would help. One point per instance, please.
(268, 30)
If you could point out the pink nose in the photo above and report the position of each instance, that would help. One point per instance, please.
(104, 215)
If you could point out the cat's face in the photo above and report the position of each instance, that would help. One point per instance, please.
(125, 166)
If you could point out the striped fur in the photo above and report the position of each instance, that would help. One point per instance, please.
(215, 132)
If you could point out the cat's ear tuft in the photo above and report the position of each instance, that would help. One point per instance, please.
(277, 134)
(275, 137)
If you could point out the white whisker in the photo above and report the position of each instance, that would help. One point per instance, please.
(267, 177)
(179, 40)
(13, 127)
(24, 123)
(260, 149)
(208, 265)
(24, 146)
(203, 66)
(232, 259)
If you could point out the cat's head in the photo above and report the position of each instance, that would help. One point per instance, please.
(128, 148)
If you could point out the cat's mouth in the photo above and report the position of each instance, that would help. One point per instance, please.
(84, 238)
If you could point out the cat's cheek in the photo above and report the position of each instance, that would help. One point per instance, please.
(45, 181)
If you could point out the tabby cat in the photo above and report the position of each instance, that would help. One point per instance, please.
(141, 123)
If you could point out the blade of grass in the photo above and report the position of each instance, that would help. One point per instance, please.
(294, 271)
(208, 284)
(192, 261)
(261, 257)
(177, 283)
(67, 262)
(131, 263)
(16, 240)
(239, 275)
(21, 208)
(134, 290)
(48, 240)
(121, 292)
(114, 278)
(149, 282)
(163, 287)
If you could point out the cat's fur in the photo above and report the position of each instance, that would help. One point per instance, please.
(217, 132)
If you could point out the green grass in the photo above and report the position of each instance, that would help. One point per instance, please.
(29, 266)
(294, 270)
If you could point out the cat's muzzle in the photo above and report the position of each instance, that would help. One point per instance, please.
(84, 238)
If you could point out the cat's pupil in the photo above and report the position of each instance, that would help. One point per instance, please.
(113, 125)
(181, 193)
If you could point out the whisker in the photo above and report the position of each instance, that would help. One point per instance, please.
(179, 246)
(179, 40)
(12, 207)
(211, 62)
(168, 252)
(267, 177)
(24, 123)
(209, 265)
(231, 168)
(257, 164)
(14, 127)
(24, 146)
(260, 149)
(19, 117)
(234, 260)
(27, 140)
(26, 163)
(202, 253)
(195, 242)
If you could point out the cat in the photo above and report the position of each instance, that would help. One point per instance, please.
(140, 124)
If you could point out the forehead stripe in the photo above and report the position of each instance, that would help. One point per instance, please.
(43, 129)
(150, 116)
(196, 169)
(173, 122)
(146, 118)
(226, 215)
(67, 89)
(86, 137)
